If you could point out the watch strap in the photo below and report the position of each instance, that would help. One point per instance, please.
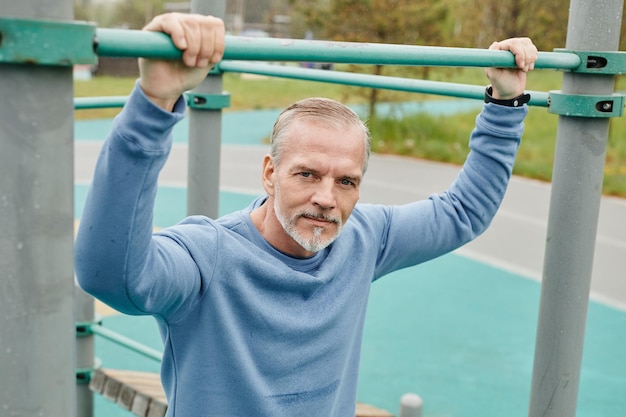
(512, 102)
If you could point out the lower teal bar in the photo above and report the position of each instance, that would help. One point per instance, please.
(538, 99)
(127, 342)
(83, 103)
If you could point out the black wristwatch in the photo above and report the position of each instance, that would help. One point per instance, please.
(512, 102)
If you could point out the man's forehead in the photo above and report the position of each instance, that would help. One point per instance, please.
(310, 124)
(316, 158)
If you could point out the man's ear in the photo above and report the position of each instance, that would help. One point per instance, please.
(267, 176)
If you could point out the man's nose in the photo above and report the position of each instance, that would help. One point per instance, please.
(324, 195)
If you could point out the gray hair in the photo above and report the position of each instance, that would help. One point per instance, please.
(326, 111)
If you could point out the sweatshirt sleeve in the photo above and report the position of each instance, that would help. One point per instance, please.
(423, 230)
(116, 257)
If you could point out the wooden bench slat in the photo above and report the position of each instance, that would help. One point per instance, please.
(141, 404)
(142, 393)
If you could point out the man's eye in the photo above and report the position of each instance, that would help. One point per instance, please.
(347, 182)
(306, 174)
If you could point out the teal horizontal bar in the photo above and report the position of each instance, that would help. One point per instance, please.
(371, 81)
(538, 99)
(127, 342)
(136, 43)
(83, 103)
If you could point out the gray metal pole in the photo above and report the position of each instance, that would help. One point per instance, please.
(572, 223)
(36, 230)
(205, 136)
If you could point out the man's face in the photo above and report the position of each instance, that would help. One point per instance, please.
(316, 185)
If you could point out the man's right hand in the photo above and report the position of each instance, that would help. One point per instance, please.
(200, 38)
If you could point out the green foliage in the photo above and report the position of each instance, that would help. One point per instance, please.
(480, 22)
(420, 136)
(135, 14)
(248, 92)
(435, 138)
(386, 21)
(471, 23)
(257, 92)
(615, 168)
(424, 22)
(445, 139)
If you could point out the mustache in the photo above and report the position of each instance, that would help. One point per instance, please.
(320, 216)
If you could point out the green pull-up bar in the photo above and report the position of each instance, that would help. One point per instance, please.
(133, 43)
(45, 42)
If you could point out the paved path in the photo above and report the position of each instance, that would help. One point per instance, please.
(515, 241)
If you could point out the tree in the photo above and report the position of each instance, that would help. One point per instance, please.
(480, 22)
(423, 22)
(135, 14)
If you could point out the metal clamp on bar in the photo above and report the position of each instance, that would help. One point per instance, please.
(216, 70)
(208, 101)
(83, 375)
(84, 328)
(585, 105)
(607, 63)
(43, 42)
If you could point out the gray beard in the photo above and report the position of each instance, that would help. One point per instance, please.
(313, 244)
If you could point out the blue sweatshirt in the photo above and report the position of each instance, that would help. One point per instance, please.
(248, 330)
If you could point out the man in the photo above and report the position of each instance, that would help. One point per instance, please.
(261, 311)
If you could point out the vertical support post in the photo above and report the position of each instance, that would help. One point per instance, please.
(572, 223)
(205, 136)
(37, 333)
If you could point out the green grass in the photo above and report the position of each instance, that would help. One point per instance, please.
(445, 139)
(435, 138)
(254, 92)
